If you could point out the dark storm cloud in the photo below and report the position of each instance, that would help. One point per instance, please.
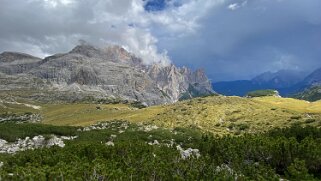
(257, 36)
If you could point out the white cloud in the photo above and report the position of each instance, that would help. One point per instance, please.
(49, 26)
(234, 6)
(56, 25)
(55, 3)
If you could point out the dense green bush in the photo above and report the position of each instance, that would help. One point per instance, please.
(13, 131)
(138, 105)
(262, 93)
(292, 153)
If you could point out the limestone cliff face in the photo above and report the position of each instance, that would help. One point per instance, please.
(180, 83)
(108, 72)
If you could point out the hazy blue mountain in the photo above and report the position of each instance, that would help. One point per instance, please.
(280, 79)
(313, 79)
(237, 88)
(285, 81)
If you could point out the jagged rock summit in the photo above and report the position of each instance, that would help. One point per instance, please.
(88, 73)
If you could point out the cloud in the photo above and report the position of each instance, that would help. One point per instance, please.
(232, 39)
(234, 6)
(250, 40)
(51, 26)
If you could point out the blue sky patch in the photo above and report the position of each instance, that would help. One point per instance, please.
(155, 5)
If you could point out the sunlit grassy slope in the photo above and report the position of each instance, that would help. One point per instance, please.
(217, 114)
(292, 104)
(87, 114)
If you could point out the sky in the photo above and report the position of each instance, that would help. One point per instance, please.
(230, 39)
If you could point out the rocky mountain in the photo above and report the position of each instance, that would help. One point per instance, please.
(280, 79)
(313, 79)
(180, 83)
(88, 72)
(284, 81)
(310, 88)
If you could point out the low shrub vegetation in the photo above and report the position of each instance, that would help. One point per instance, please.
(290, 153)
(12, 131)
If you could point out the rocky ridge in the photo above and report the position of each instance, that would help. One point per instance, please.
(88, 72)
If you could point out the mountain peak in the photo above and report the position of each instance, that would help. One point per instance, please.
(117, 53)
(86, 50)
(113, 53)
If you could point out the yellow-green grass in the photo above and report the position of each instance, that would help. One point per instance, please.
(87, 114)
(231, 114)
(292, 104)
(218, 114)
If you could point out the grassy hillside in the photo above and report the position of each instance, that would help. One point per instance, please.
(87, 114)
(217, 114)
(300, 106)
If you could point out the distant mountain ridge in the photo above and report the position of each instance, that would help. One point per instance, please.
(313, 79)
(285, 81)
(88, 72)
(310, 88)
(280, 79)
